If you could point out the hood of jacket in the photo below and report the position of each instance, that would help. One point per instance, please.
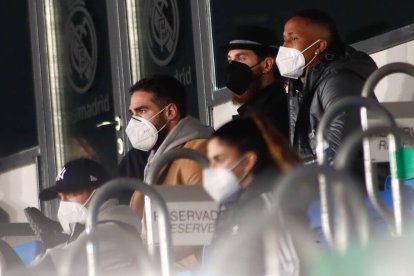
(187, 129)
(357, 62)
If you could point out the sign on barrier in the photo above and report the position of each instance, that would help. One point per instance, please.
(403, 113)
(192, 214)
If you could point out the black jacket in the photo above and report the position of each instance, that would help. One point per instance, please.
(325, 84)
(132, 165)
(273, 103)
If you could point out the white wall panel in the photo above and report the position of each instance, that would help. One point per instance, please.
(396, 87)
(18, 190)
(223, 113)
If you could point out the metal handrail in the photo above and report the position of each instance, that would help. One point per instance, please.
(367, 91)
(170, 156)
(295, 192)
(164, 225)
(341, 107)
(346, 154)
(380, 73)
(154, 174)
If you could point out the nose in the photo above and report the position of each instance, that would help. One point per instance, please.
(62, 197)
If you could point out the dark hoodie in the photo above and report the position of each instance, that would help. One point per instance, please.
(325, 84)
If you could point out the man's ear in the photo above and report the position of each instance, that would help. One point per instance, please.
(323, 44)
(269, 62)
(171, 112)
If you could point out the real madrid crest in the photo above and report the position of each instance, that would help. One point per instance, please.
(162, 29)
(82, 49)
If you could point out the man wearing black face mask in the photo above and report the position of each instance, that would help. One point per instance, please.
(253, 77)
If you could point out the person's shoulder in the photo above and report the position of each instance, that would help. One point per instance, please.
(353, 61)
(276, 85)
(352, 66)
(276, 90)
(199, 144)
(192, 127)
(112, 209)
(112, 212)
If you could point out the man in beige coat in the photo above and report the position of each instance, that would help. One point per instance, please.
(159, 123)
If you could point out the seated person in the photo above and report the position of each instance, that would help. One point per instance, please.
(75, 186)
(253, 77)
(160, 123)
(246, 156)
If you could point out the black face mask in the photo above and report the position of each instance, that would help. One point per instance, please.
(238, 77)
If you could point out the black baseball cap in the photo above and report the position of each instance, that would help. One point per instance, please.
(253, 38)
(76, 175)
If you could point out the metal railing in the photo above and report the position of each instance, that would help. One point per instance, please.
(341, 107)
(295, 192)
(343, 161)
(344, 106)
(153, 177)
(164, 226)
(367, 91)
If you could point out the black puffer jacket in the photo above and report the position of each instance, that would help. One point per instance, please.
(325, 84)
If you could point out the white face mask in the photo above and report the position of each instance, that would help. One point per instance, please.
(142, 134)
(221, 183)
(70, 213)
(291, 61)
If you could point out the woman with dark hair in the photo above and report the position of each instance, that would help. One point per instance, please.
(246, 156)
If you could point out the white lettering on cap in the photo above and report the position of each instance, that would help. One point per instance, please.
(61, 174)
(93, 178)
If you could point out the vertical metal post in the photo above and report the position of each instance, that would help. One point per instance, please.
(368, 90)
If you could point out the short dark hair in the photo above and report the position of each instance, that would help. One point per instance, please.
(336, 45)
(166, 89)
(264, 53)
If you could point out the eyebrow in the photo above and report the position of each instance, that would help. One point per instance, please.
(139, 107)
(289, 34)
(239, 54)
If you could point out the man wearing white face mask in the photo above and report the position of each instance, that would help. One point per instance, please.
(160, 123)
(322, 71)
(75, 186)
